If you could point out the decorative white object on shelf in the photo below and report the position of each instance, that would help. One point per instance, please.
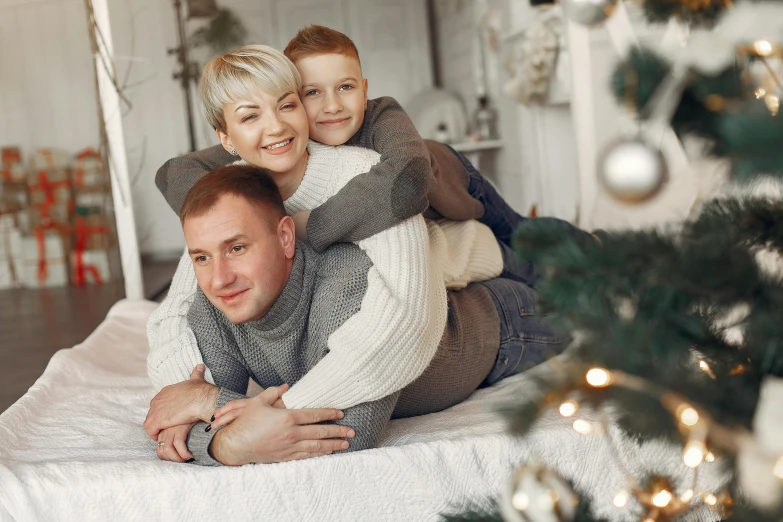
(538, 62)
(432, 108)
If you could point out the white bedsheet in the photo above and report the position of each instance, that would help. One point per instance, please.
(73, 449)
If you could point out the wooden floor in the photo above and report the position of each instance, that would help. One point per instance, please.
(34, 324)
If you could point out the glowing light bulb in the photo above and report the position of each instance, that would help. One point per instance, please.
(773, 104)
(520, 501)
(689, 416)
(693, 454)
(620, 499)
(687, 495)
(778, 469)
(762, 47)
(568, 408)
(598, 377)
(709, 457)
(662, 498)
(583, 427)
(760, 93)
(706, 368)
(710, 499)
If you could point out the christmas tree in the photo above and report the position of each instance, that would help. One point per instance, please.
(684, 324)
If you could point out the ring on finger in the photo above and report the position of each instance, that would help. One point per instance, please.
(161, 443)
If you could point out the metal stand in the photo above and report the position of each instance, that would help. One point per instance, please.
(188, 70)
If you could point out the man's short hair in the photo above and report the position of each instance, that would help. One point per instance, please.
(317, 39)
(252, 183)
(240, 74)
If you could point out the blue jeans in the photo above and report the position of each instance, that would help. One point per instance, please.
(526, 339)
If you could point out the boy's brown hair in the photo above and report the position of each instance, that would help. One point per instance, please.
(246, 181)
(317, 39)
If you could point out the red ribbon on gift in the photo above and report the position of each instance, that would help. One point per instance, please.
(48, 189)
(40, 238)
(82, 155)
(83, 233)
(10, 155)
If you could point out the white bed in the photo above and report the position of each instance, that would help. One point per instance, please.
(73, 449)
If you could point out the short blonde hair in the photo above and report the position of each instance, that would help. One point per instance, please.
(241, 73)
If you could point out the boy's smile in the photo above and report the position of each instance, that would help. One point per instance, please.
(334, 96)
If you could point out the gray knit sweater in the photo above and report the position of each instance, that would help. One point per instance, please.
(322, 292)
(410, 172)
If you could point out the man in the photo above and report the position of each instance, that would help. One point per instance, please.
(265, 310)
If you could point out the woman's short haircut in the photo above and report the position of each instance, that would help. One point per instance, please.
(240, 74)
(246, 181)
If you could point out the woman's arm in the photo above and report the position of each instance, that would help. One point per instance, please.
(392, 338)
(391, 191)
(178, 175)
(173, 348)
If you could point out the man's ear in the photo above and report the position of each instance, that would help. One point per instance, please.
(286, 234)
(224, 140)
(364, 87)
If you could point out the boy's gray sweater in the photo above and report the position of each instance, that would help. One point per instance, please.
(323, 291)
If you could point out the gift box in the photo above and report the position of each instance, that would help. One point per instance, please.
(9, 241)
(40, 259)
(90, 267)
(91, 200)
(49, 187)
(11, 166)
(89, 169)
(45, 216)
(49, 160)
(13, 193)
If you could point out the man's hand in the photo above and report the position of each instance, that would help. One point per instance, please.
(300, 222)
(175, 443)
(261, 433)
(182, 403)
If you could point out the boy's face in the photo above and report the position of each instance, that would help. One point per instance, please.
(334, 95)
(241, 258)
(268, 131)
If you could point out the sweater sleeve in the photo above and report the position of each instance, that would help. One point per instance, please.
(230, 374)
(178, 175)
(173, 348)
(394, 335)
(391, 191)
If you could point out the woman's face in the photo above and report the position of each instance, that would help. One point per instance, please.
(267, 131)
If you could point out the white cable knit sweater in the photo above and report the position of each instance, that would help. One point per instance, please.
(393, 337)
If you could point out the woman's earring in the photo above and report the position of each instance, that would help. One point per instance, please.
(233, 152)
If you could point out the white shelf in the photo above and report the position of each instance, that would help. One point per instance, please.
(476, 146)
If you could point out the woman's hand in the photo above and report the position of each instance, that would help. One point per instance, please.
(174, 447)
(231, 410)
(182, 403)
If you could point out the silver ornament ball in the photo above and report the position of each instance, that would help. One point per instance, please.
(538, 494)
(589, 12)
(632, 171)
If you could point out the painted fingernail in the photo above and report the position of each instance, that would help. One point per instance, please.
(351, 433)
(212, 419)
(209, 427)
(344, 445)
(189, 460)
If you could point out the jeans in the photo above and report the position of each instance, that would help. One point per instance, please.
(502, 220)
(526, 339)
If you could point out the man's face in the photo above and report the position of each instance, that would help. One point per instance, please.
(268, 131)
(242, 260)
(334, 96)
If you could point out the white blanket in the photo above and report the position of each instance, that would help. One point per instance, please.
(73, 448)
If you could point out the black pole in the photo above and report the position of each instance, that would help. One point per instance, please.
(185, 74)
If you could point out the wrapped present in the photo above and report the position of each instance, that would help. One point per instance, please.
(90, 256)
(45, 216)
(90, 267)
(11, 166)
(41, 259)
(91, 200)
(49, 187)
(13, 193)
(89, 169)
(9, 243)
(49, 160)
